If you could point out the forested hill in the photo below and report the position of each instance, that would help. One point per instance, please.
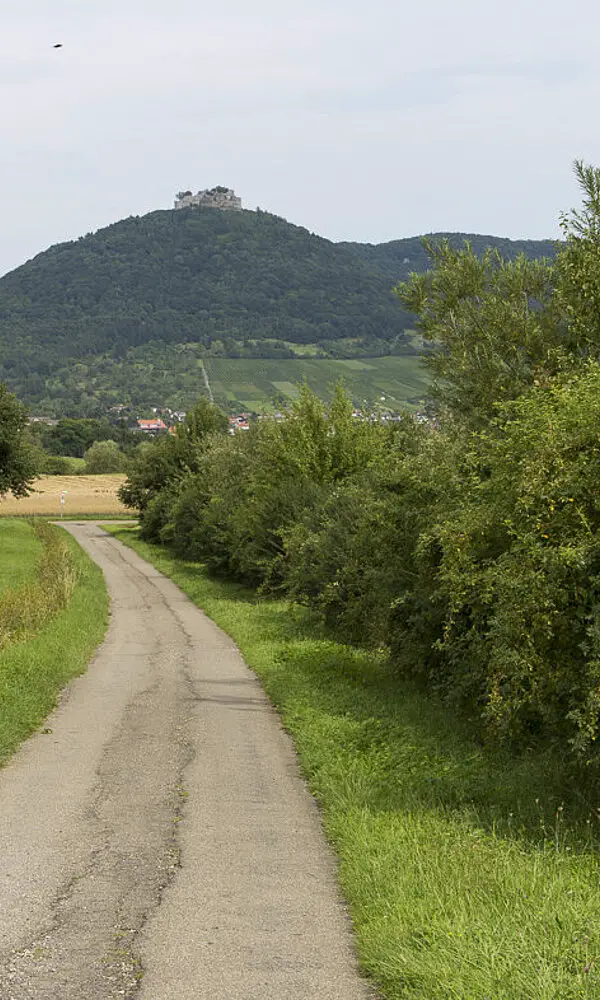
(192, 275)
(399, 258)
(227, 284)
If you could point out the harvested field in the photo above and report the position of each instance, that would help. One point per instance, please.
(82, 495)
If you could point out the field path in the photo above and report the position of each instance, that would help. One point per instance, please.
(156, 840)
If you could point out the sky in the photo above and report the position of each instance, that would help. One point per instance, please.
(359, 120)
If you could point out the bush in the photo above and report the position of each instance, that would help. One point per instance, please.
(104, 457)
(519, 572)
(169, 459)
(55, 465)
(252, 488)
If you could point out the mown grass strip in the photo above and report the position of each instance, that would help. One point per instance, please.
(20, 550)
(33, 671)
(466, 877)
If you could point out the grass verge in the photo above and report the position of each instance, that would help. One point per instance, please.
(20, 551)
(33, 670)
(469, 876)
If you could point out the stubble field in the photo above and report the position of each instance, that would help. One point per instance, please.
(81, 494)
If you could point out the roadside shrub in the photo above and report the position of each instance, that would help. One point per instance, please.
(202, 529)
(250, 489)
(157, 519)
(519, 570)
(170, 459)
(352, 556)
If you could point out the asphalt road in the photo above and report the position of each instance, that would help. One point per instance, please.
(157, 840)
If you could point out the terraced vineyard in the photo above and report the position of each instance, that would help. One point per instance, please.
(259, 385)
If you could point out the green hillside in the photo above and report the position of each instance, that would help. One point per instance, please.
(220, 280)
(257, 386)
(398, 258)
(127, 315)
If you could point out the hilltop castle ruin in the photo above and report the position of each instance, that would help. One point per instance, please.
(217, 197)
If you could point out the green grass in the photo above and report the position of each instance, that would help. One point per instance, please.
(33, 671)
(467, 877)
(253, 384)
(19, 553)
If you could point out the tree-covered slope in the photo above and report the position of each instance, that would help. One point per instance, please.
(190, 275)
(399, 258)
(127, 313)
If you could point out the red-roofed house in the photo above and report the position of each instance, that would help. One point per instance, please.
(154, 426)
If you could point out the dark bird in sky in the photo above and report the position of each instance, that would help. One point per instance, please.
(58, 45)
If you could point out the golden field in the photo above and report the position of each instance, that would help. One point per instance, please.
(82, 495)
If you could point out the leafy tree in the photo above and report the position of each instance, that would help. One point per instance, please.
(17, 464)
(200, 422)
(250, 489)
(493, 325)
(73, 437)
(104, 457)
(578, 265)
(169, 459)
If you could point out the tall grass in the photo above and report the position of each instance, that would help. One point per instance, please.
(54, 643)
(24, 609)
(470, 875)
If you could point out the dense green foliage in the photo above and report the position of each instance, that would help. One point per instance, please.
(468, 547)
(162, 465)
(400, 258)
(495, 323)
(469, 874)
(73, 437)
(104, 457)
(125, 315)
(17, 457)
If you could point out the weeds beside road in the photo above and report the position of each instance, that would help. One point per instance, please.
(50, 625)
(469, 876)
(26, 608)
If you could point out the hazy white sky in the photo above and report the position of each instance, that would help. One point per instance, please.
(359, 120)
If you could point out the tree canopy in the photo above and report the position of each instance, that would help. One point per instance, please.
(17, 457)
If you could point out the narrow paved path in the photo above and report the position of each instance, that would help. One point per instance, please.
(156, 840)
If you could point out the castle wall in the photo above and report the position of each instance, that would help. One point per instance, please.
(226, 200)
